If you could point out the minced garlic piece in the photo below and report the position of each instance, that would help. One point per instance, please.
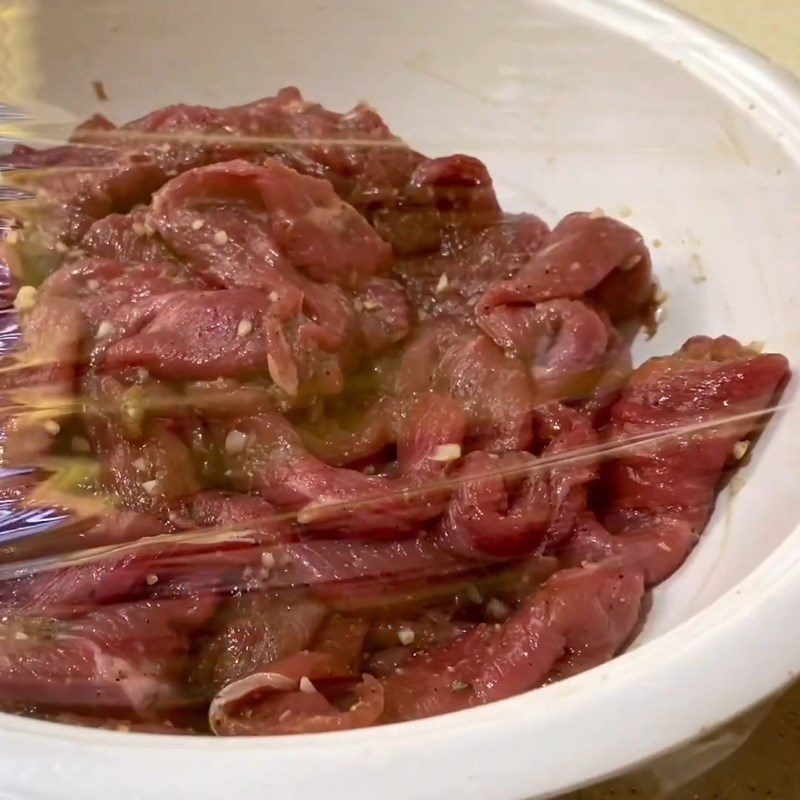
(105, 329)
(740, 449)
(497, 609)
(406, 636)
(52, 427)
(244, 328)
(235, 442)
(447, 452)
(630, 263)
(26, 298)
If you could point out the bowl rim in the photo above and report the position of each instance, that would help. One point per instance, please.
(711, 676)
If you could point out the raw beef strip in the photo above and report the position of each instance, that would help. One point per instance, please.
(67, 592)
(584, 255)
(453, 192)
(497, 510)
(658, 495)
(212, 509)
(121, 659)
(273, 214)
(199, 336)
(495, 392)
(582, 614)
(654, 544)
(385, 316)
(115, 527)
(107, 290)
(37, 384)
(274, 464)
(147, 473)
(705, 381)
(340, 566)
(126, 238)
(451, 280)
(343, 638)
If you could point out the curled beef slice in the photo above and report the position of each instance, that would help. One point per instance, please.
(496, 509)
(252, 632)
(300, 694)
(516, 504)
(266, 213)
(584, 255)
(452, 359)
(572, 350)
(441, 194)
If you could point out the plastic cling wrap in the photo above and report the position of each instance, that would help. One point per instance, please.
(350, 404)
(303, 432)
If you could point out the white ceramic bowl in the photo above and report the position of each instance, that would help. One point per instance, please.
(573, 104)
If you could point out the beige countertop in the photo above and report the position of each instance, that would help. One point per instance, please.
(770, 26)
(767, 766)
